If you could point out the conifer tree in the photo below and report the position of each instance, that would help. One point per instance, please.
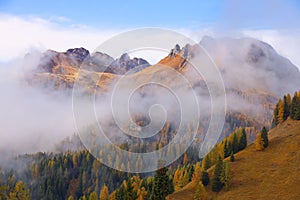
(259, 142)
(226, 176)
(243, 140)
(286, 108)
(205, 178)
(20, 192)
(231, 157)
(264, 135)
(161, 185)
(216, 182)
(197, 173)
(170, 185)
(176, 179)
(235, 143)
(104, 194)
(93, 196)
(200, 193)
(120, 193)
(191, 171)
(275, 117)
(227, 150)
(206, 162)
(280, 111)
(130, 193)
(112, 196)
(295, 107)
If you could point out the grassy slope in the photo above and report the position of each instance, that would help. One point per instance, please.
(270, 174)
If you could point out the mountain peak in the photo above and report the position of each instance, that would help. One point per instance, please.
(79, 53)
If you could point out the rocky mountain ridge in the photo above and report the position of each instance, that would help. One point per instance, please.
(254, 75)
(61, 62)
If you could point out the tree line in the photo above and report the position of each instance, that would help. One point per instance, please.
(287, 107)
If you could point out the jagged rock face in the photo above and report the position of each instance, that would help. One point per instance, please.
(98, 62)
(62, 63)
(78, 53)
(124, 64)
(57, 63)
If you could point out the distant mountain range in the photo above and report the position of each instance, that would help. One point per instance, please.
(255, 75)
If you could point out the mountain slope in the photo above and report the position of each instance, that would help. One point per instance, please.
(270, 174)
(254, 76)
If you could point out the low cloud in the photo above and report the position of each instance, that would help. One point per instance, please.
(31, 119)
(19, 34)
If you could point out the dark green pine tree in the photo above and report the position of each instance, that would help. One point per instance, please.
(293, 108)
(231, 157)
(286, 108)
(205, 178)
(207, 162)
(216, 182)
(171, 185)
(235, 143)
(275, 117)
(243, 140)
(130, 193)
(120, 193)
(161, 187)
(79, 187)
(227, 150)
(190, 172)
(264, 135)
(297, 108)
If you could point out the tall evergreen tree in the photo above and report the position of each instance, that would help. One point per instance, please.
(243, 140)
(264, 135)
(93, 196)
(231, 157)
(297, 107)
(286, 108)
(171, 185)
(130, 193)
(104, 194)
(226, 175)
(191, 171)
(280, 116)
(275, 117)
(197, 173)
(200, 193)
(206, 162)
(120, 193)
(205, 178)
(293, 106)
(235, 143)
(216, 182)
(161, 185)
(227, 150)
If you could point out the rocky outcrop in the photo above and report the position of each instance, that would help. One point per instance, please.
(69, 61)
(125, 64)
